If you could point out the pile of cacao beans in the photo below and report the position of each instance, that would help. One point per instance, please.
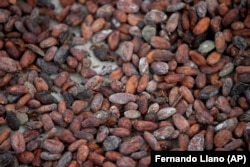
(181, 80)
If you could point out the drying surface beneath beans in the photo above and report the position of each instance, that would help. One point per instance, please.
(105, 82)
